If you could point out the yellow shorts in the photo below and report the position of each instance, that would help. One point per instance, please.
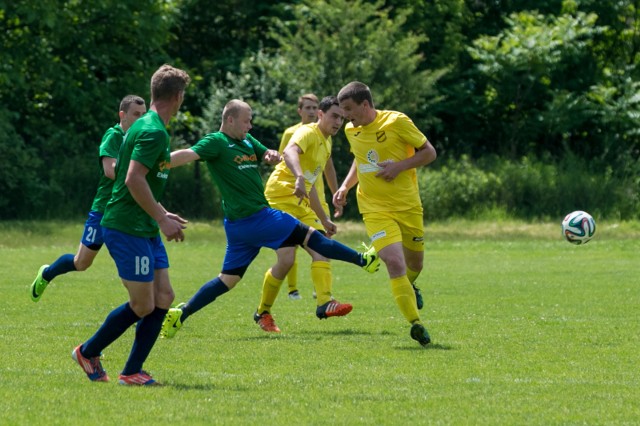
(386, 228)
(303, 211)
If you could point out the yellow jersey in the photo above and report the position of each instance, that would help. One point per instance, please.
(286, 136)
(392, 136)
(316, 150)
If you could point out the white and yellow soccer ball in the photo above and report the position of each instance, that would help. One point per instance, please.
(578, 227)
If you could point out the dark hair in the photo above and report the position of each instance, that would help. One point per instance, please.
(357, 91)
(327, 102)
(307, 97)
(128, 100)
(167, 82)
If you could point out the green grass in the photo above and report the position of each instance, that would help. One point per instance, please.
(526, 328)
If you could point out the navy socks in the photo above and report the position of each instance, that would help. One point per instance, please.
(147, 333)
(333, 250)
(62, 265)
(116, 323)
(207, 294)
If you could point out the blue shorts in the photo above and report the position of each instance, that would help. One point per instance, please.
(136, 257)
(266, 228)
(92, 236)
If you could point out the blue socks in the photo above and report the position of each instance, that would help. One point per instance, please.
(333, 249)
(207, 294)
(116, 323)
(62, 265)
(147, 333)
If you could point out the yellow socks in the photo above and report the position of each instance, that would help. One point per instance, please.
(405, 298)
(322, 280)
(412, 275)
(292, 277)
(270, 289)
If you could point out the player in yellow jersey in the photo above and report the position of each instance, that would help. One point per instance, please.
(388, 148)
(308, 112)
(291, 188)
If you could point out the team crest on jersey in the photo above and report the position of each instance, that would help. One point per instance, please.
(381, 136)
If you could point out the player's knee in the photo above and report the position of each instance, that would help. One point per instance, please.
(395, 263)
(82, 265)
(415, 265)
(82, 262)
(231, 279)
(285, 263)
(298, 236)
(142, 308)
(165, 298)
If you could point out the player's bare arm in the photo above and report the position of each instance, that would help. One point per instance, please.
(182, 157)
(271, 157)
(291, 156)
(316, 206)
(340, 196)
(109, 167)
(424, 155)
(139, 188)
(331, 175)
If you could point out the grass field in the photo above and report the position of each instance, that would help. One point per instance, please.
(526, 329)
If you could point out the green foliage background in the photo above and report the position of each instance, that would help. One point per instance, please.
(533, 106)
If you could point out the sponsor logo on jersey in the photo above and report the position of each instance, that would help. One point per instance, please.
(162, 166)
(240, 159)
(372, 166)
(378, 235)
(418, 239)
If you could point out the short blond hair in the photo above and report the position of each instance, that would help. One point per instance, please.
(307, 97)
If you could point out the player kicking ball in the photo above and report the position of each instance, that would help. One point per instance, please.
(232, 156)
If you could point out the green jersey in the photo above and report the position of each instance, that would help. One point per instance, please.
(146, 142)
(109, 147)
(233, 164)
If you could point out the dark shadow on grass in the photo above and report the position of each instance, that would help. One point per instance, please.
(347, 332)
(184, 386)
(431, 346)
(266, 336)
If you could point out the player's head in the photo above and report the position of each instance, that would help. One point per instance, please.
(236, 119)
(132, 107)
(330, 115)
(356, 101)
(168, 85)
(308, 108)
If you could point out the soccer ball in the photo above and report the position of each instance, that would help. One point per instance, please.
(578, 227)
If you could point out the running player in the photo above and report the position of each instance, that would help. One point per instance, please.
(388, 147)
(131, 108)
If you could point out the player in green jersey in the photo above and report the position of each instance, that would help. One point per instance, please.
(131, 108)
(131, 225)
(232, 156)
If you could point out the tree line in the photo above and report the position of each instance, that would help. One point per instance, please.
(533, 106)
